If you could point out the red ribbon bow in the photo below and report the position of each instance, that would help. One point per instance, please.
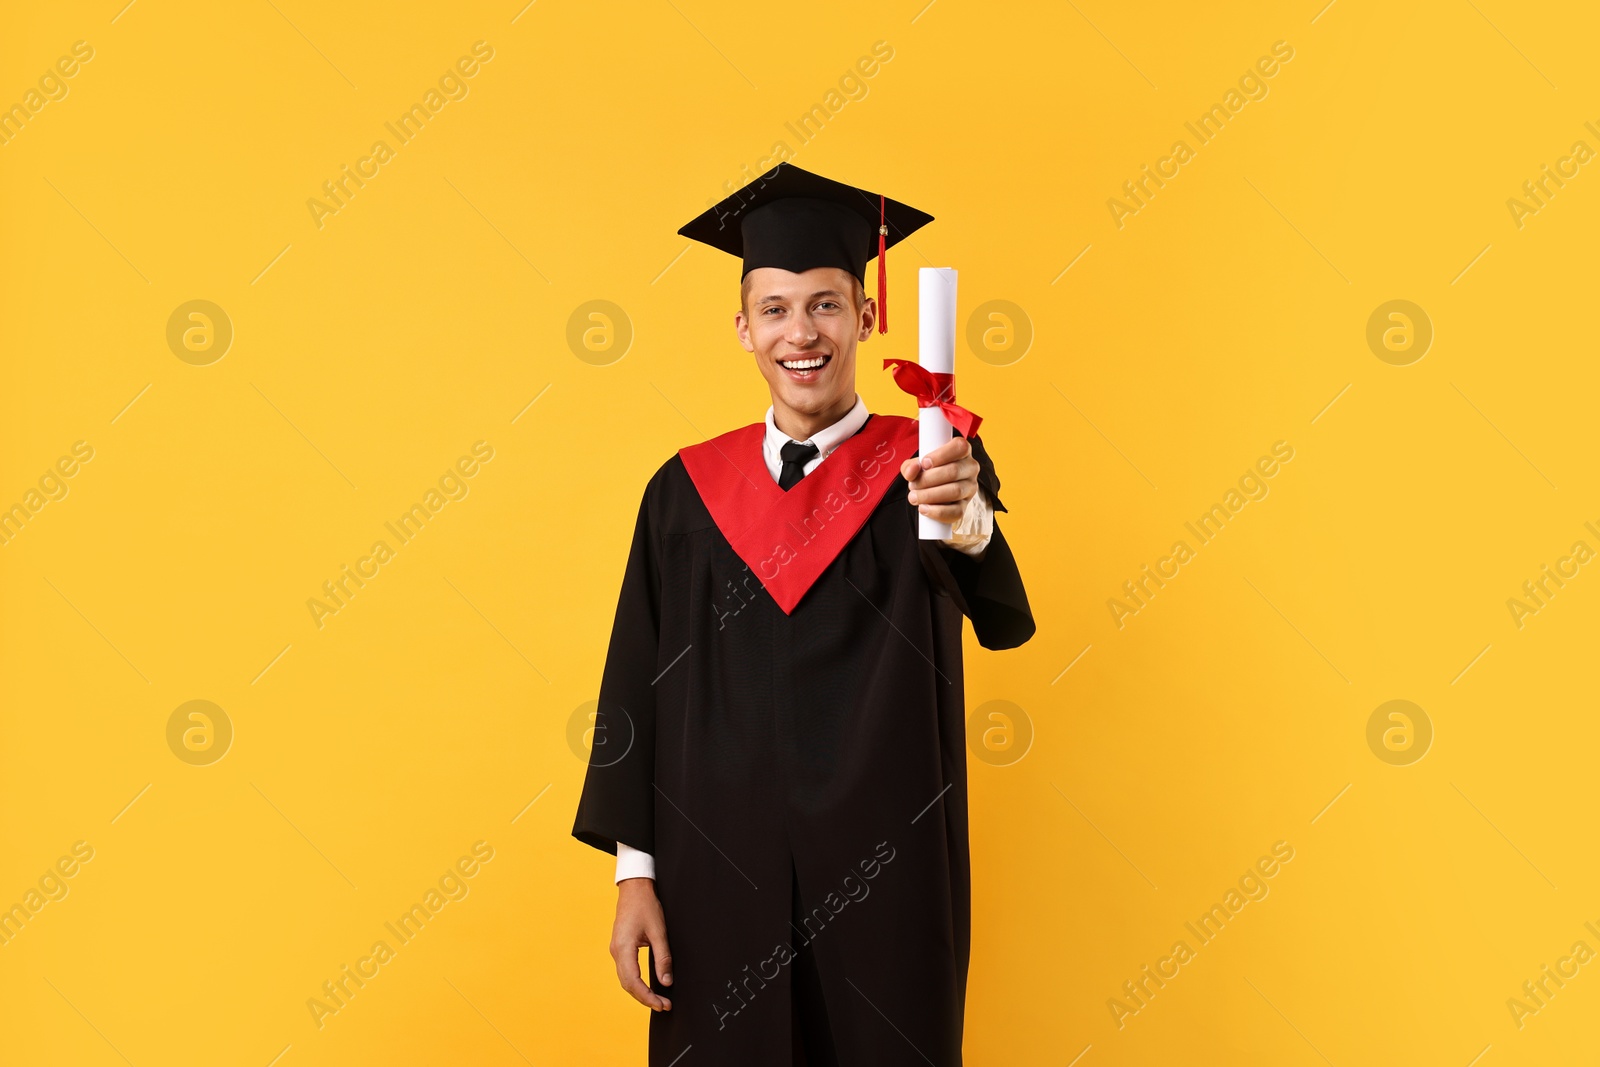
(934, 390)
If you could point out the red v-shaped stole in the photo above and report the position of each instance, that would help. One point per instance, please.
(788, 539)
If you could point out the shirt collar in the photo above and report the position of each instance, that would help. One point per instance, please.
(826, 439)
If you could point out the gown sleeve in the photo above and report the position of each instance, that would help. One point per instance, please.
(618, 801)
(989, 590)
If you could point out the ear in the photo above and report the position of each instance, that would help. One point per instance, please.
(869, 319)
(741, 326)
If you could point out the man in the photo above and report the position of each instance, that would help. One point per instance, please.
(779, 759)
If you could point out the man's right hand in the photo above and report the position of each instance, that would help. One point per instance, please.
(640, 923)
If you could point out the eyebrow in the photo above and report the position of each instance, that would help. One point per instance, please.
(778, 299)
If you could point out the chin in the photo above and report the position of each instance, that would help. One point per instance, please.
(809, 403)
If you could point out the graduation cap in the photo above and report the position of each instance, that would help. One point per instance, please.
(797, 220)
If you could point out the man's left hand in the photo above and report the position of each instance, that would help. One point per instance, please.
(942, 482)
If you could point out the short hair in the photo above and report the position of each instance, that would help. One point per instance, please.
(859, 294)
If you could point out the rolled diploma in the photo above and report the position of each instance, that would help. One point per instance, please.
(936, 351)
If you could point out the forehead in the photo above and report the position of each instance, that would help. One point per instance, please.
(764, 282)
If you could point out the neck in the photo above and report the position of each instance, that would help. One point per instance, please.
(801, 425)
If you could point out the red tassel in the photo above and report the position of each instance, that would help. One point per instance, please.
(883, 270)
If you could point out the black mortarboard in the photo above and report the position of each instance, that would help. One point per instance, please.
(796, 220)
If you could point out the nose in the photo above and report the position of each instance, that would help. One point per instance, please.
(801, 333)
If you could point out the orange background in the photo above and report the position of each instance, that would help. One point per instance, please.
(435, 309)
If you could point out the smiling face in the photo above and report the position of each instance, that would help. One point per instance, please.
(803, 330)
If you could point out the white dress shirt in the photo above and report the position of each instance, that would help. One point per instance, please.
(634, 863)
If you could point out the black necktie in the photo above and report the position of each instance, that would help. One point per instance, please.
(795, 457)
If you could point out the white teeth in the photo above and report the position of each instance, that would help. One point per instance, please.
(804, 364)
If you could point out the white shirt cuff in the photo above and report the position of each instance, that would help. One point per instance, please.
(632, 863)
(978, 519)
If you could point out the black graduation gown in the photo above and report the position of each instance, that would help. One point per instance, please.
(752, 750)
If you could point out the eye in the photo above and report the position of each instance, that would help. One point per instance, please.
(827, 304)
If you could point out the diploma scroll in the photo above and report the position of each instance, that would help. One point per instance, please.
(936, 352)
